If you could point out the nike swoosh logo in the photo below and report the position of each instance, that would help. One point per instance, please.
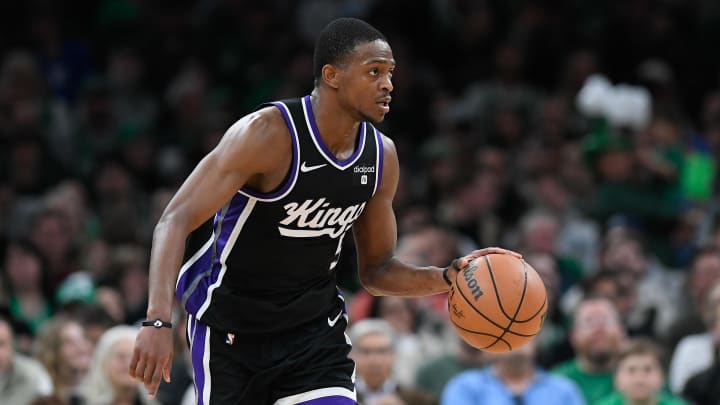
(305, 168)
(332, 322)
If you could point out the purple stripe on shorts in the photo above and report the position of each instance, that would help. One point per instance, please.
(198, 353)
(331, 400)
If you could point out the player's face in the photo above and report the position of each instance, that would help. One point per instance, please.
(367, 80)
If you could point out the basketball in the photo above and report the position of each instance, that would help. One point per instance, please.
(497, 303)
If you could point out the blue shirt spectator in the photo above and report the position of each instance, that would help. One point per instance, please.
(479, 387)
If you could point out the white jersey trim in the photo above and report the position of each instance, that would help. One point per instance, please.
(226, 251)
(362, 133)
(315, 394)
(378, 156)
(206, 367)
(194, 258)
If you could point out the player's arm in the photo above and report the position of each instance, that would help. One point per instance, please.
(375, 238)
(381, 273)
(233, 163)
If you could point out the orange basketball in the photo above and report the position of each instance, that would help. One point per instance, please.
(497, 303)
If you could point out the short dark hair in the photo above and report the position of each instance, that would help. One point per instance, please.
(338, 39)
(641, 346)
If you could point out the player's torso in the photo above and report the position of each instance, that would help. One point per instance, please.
(281, 247)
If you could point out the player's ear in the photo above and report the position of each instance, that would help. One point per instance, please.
(330, 75)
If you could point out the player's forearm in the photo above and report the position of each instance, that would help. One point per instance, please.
(165, 261)
(401, 279)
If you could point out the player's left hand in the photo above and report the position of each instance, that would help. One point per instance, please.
(460, 263)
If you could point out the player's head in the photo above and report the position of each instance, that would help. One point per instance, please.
(354, 59)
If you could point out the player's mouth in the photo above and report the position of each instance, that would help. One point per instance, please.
(384, 104)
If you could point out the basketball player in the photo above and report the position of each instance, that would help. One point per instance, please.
(285, 185)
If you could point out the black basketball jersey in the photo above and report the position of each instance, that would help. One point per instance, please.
(267, 264)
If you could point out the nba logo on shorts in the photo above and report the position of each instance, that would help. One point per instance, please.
(230, 339)
(363, 179)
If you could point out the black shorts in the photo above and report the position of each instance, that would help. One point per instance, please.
(309, 365)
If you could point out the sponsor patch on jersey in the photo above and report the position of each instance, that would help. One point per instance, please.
(362, 175)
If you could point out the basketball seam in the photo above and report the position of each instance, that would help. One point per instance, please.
(483, 315)
(497, 339)
(533, 315)
(497, 296)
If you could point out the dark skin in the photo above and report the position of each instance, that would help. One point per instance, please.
(256, 152)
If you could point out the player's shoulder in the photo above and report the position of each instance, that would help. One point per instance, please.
(262, 126)
(265, 121)
(388, 146)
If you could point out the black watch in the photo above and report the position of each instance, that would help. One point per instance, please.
(157, 323)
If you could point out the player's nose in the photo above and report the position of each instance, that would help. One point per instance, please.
(386, 84)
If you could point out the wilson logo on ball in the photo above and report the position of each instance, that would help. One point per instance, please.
(472, 282)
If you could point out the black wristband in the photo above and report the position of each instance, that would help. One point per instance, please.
(445, 276)
(157, 323)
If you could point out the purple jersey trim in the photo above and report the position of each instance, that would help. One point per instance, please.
(343, 164)
(293, 164)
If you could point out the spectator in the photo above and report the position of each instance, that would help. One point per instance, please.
(50, 232)
(22, 379)
(703, 275)
(512, 378)
(108, 381)
(639, 377)
(433, 374)
(389, 399)
(416, 336)
(539, 232)
(619, 287)
(374, 348)
(578, 238)
(27, 284)
(95, 320)
(703, 387)
(596, 336)
(553, 346)
(64, 351)
(128, 275)
(48, 400)
(696, 352)
(652, 313)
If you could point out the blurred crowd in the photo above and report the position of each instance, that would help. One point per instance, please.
(105, 107)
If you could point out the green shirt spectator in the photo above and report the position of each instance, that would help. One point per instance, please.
(664, 399)
(594, 387)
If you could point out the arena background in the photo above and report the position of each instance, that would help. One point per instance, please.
(105, 107)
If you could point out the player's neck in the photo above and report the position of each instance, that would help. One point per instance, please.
(337, 129)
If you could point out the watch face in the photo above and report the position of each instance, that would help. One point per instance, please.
(158, 323)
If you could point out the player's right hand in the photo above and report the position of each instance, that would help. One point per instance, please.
(152, 357)
(459, 264)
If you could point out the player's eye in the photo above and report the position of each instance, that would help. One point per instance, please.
(374, 72)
